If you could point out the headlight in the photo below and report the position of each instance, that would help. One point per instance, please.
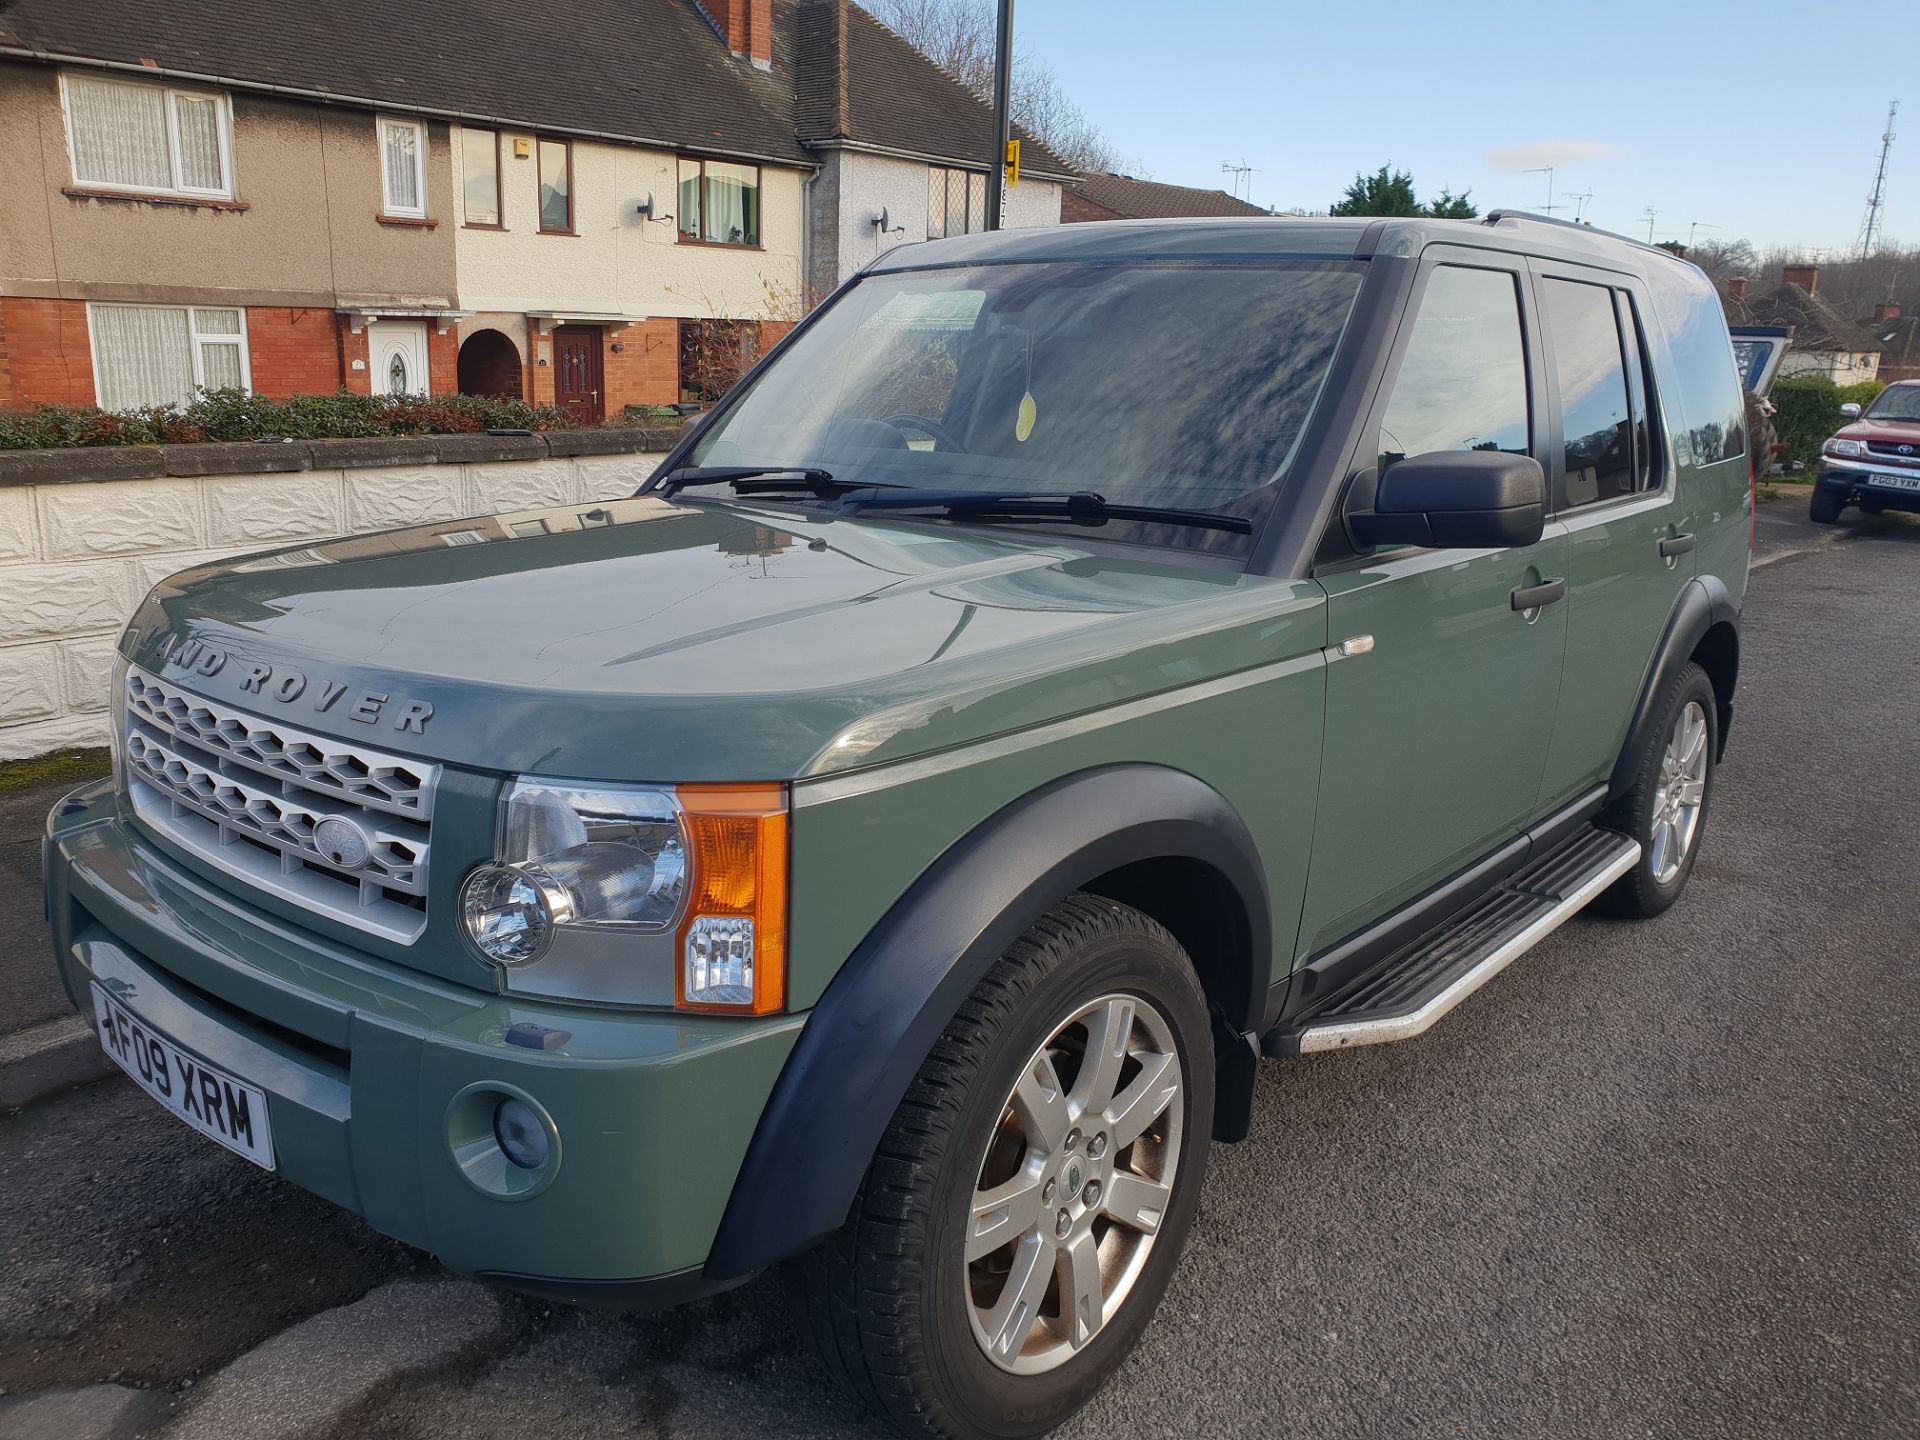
(1844, 447)
(637, 895)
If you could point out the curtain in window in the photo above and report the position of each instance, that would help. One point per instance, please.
(400, 145)
(220, 365)
(733, 204)
(689, 206)
(143, 355)
(198, 119)
(119, 134)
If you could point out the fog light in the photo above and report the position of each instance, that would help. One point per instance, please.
(520, 1135)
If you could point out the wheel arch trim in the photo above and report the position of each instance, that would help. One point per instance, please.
(1704, 603)
(882, 1013)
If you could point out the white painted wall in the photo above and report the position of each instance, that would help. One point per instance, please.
(619, 260)
(77, 558)
(869, 183)
(1840, 366)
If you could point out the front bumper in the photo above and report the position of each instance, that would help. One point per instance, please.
(1853, 480)
(362, 1062)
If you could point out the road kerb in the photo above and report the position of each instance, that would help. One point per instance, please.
(49, 1057)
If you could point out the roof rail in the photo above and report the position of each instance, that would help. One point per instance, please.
(1494, 217)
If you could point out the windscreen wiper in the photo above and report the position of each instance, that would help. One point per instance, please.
(1081, 507)
(765, 480)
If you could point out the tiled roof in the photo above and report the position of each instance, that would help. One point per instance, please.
(860, 84)
(1131, 199)
(1817, 326)
(639, 70)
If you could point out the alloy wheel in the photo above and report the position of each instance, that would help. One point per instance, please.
(1075, 1182)
(1680, 794)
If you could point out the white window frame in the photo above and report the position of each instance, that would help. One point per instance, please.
(223, 123)
(194, 340)
(387, 207)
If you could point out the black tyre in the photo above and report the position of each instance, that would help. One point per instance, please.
(1826, 505)
(1025, 1210)
(1666, 810)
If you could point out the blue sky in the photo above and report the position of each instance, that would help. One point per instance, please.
(1753, 117)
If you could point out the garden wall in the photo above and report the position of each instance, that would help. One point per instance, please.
(84, 533)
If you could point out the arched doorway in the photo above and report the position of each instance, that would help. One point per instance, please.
(489, 365)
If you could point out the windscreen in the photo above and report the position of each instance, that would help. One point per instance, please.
(1182, 385)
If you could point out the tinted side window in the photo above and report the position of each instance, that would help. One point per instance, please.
(1712, 410)
(1646, 463)
(1596, 422)
(1463, 379)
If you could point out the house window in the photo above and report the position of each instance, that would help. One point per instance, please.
(151, 138)
(160, 354)
(556, 187)
(480, 176)
(956, 202)
(403, 167)
(719, 203)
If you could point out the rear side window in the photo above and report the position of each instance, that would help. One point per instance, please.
(1463, 379)
(1596, 418)
(1712, 423)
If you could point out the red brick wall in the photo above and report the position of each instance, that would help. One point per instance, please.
(647, 369)
(354, 347)
(294, 351)
(1074, 207)
(47, 357)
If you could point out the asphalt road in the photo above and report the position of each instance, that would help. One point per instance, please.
(1658, 1179)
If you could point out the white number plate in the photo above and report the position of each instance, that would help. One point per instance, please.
(1895, 482)
(211, 1101)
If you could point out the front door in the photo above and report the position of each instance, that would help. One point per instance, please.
(397, 351)
(1437, 733)
(577, 382)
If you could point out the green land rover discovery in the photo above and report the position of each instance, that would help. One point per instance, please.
(1077, 662)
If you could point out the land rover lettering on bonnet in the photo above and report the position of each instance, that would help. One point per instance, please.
(1076, 663)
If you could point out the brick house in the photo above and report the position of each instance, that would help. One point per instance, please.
(290, 205)
(620, 216)
(1121, 197)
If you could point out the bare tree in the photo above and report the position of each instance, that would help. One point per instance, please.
(958, 35)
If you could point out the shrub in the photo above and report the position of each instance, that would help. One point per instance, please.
(236, 415)
(1806, 411)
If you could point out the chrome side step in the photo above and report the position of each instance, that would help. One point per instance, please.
(1415, 988)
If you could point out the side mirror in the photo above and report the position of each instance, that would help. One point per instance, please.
(1456, 500)
(1850, 410)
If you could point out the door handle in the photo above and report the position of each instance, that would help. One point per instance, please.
(1532, 597)
(1678, 545)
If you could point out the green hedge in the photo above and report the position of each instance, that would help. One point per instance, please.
(235, 415)
(1807, 411)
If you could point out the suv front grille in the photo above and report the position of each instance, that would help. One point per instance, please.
(250, 796)
(1892, 450)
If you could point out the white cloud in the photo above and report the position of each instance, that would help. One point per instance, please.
(1538, 153)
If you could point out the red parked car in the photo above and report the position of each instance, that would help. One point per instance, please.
(1874, 460)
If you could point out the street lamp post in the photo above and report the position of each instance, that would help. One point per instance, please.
(1002, 114)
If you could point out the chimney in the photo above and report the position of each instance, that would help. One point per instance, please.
(1807, 277)
(1737, 287)
(1887, 311)
(746, 26)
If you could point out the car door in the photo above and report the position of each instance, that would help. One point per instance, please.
(1610, 481)
(1440, 716)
